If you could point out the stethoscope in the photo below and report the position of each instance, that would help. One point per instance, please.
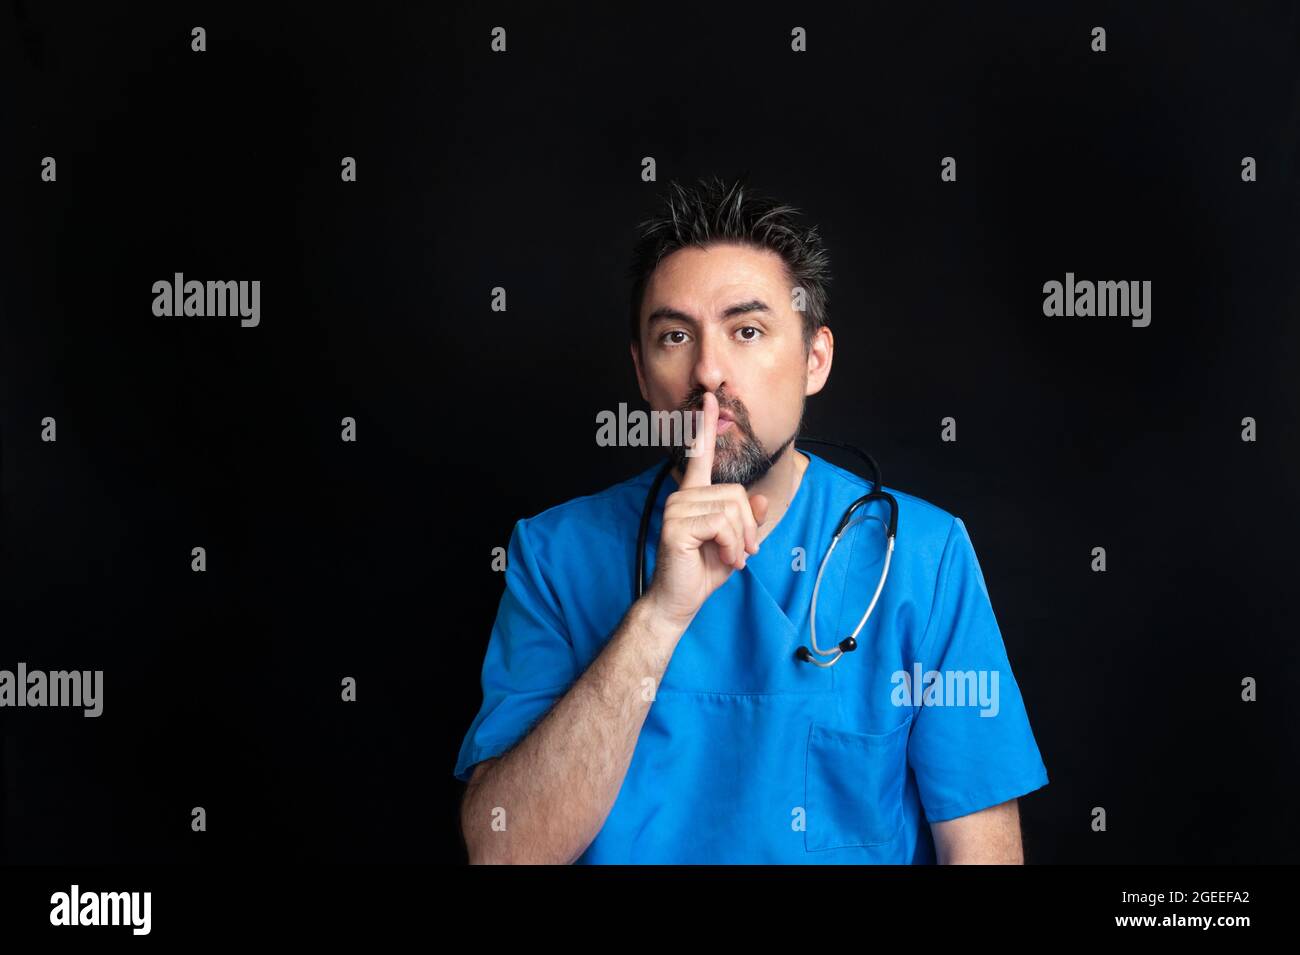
(850, 642)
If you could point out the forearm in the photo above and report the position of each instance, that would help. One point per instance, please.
(554, 789)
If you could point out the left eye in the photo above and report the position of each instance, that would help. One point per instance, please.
(750, 328)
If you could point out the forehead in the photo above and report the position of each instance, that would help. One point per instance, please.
(701, 277)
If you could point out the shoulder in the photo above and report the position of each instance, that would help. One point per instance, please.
(919, 520)
(595, 520)
(933, 551)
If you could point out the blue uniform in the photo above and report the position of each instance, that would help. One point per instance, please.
(748, 755)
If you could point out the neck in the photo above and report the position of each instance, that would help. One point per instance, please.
(778, 485)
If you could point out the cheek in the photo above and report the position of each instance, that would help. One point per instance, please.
(667, 397)
(776, 391)
(661, 387)
(776, 411)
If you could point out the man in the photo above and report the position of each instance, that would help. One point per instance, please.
(680, 726)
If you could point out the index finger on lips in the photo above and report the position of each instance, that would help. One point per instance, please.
(699, 467)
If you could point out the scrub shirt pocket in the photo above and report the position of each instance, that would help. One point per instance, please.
(853, 787)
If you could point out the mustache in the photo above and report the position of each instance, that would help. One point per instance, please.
(736, 409)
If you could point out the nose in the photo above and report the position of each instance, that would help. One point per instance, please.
(709, 373)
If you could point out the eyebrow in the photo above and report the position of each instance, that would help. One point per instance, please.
(666, 314)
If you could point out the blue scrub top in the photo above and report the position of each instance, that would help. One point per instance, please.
(748, 755)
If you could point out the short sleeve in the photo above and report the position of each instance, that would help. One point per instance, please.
(529, 661)
(970, 746)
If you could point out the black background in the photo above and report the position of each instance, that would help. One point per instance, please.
(475, 170)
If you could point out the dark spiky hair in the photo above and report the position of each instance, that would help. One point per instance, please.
(714, 212)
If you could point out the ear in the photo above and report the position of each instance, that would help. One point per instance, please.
(819, 360)
(640, 372)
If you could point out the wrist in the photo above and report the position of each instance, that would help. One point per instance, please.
(659, 620)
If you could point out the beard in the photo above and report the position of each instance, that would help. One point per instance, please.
(739, 456)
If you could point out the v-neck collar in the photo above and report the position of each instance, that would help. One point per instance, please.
(774, 551)
(772, 563)
(785, 526)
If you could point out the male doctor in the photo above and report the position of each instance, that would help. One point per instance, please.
(680, 727)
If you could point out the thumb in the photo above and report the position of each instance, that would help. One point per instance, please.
(758, 504)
